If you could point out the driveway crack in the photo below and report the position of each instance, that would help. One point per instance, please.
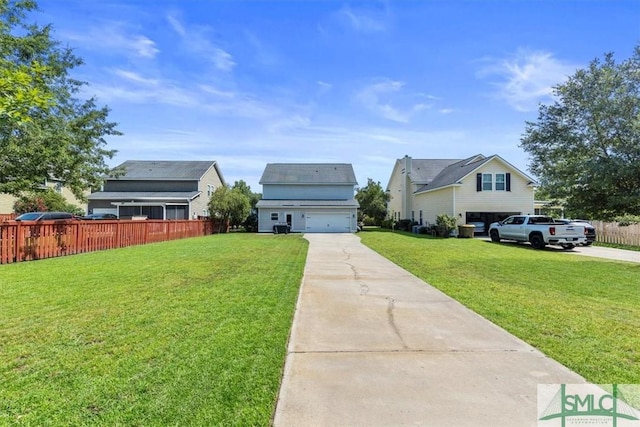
(392, 322)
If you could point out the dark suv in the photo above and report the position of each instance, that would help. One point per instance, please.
(45, 216)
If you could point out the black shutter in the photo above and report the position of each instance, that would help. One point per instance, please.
(508, 181)
(478, 182)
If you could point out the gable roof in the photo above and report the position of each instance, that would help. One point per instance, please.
(456, 172)
(165, 170)
(308, 173)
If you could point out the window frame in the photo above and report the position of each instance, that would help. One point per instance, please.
(276, 214)
(487, 185)
(502, 183)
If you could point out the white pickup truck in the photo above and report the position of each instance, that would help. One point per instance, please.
(539, 230)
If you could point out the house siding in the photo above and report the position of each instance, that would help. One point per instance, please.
(395, 205)
(298, 217)
(434, 203)
(519, 199)
(199, 206)
(307, 192)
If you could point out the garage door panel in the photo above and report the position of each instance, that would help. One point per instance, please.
(328, 222)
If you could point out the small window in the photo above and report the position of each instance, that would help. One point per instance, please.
(500, 182)
(487, 182)
(420, 216)
(210, 189)
(58, 187)
(413, 216)
(274, 216)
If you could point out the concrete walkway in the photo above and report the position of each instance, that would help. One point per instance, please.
(372, 345)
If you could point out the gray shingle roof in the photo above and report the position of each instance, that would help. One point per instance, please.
(308, 173)
(150, 170)
(455, 172)
(144, 195)
(425, 170)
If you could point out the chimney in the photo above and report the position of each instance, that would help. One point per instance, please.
(407, 164)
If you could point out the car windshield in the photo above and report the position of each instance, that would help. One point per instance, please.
(29, 216)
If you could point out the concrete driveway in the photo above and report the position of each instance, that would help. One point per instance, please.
(609, 253)
(372, 345)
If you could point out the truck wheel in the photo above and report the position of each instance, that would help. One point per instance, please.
(495, 236)
(568, 246)
(537, 241)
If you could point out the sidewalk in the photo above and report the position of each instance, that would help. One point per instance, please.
(372, 345)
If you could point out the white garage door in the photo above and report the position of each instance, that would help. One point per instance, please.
(335, 222)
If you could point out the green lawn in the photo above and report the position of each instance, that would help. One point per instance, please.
(188, 332)
(194, 332)
(583, 312)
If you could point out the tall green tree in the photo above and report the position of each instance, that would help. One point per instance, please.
(249, 222)
(373, 201)
(229, 206)
(45, 129)
(585, 147)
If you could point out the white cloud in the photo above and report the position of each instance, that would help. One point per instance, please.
(363, 20)
(114, 37)
(196, 39)
(135, 77)
(527, 78)
(386, 98)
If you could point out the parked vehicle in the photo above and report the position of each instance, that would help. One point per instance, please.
(590, 231)
(45, 216)
(539, 230)
(100, 216)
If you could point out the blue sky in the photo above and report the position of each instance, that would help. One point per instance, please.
(253, 82)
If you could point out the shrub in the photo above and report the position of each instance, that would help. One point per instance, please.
(446, 224)
(44, 200)
(403, 225)
(387, 223)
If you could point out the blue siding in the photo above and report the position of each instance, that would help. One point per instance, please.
(307, 192)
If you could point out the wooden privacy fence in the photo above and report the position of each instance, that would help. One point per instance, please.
(611, 232)
(29, 240)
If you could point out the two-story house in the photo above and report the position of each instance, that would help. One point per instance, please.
(477, 190)
(309, 197)
(158, 189)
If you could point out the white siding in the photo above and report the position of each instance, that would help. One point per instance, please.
(395, 192)
(400, 190)
(519, 199)
(434, 203)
